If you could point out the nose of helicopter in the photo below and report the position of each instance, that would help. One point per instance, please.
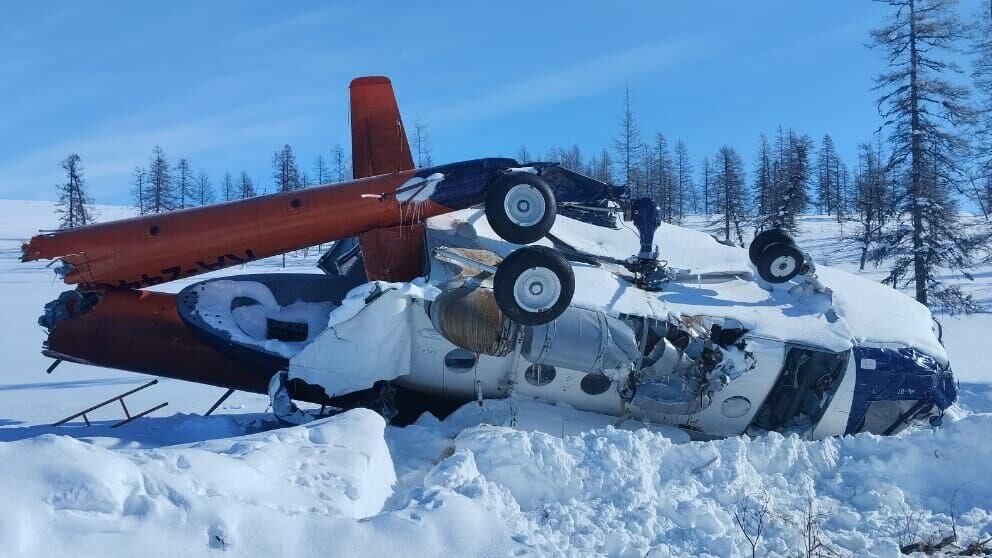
(895, 387)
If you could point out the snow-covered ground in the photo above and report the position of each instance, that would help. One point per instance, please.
(179, 484)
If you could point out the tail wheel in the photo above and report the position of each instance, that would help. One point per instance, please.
(533, 285)
(520, 207)
(780, 262)
(763, 239)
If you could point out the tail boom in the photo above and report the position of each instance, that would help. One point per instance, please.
(154, 249)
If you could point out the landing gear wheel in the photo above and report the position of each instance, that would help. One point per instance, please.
(520, 207)
(780, 262)
(763, 239)
(533, 285)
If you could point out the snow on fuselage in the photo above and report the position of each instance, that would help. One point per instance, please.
(862, 357)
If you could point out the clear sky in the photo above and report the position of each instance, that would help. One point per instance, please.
(226, 83)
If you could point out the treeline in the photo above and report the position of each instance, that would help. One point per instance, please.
(164, 187)
(789, 177)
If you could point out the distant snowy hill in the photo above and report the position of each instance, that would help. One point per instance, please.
(177, 483)
(23, 218)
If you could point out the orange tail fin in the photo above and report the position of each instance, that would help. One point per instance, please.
(378, 141)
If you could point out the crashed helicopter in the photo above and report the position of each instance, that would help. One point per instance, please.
(490, 279)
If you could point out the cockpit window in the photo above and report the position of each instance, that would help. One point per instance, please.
(889, 417)
(804, 389)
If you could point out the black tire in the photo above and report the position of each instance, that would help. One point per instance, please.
(780, 262)
(527, 223)
(548, 270)
(763, 239)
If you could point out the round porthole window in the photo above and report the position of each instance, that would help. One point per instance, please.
(539, 374)
(459, 361)
(735, 407)
(595, 384)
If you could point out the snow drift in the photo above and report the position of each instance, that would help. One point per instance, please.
(79, 499)
(463, 487)
(635, 493)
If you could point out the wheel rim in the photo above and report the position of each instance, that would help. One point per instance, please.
(537, 289)
(524, 205)
(783, 266)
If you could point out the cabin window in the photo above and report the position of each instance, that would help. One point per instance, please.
(539, 374)
(595, 384)
(459, 361)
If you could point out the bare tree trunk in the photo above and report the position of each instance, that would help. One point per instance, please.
(919, 263)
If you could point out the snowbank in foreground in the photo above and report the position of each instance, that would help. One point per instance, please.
(76, 498)
(622, 493)
(458, 487)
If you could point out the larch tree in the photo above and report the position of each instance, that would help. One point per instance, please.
(924, 113)
(321, 172)
(285, 173)
(771, 160)
(245, 187)
(792, 191)
(422, 145)
(339, 165)
(599, 168)
(730, 196)
(660, 183)
(74, 205)
(628, 148)
(649, 176)
(826, 176)
(764, 181)
(204, 189)
(160, 194)
(842, 191)
(138, 189)
(872, 198)
(831, 180)
(185, 184)
(683, 180)
(568, 157)
(706, 185)
(228, 188)
(786, 195)
(571, 158)
(981, 74)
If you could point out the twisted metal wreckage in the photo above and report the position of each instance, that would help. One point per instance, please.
(457, 282)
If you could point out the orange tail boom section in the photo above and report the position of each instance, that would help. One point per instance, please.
(142, 332)
(155, 249)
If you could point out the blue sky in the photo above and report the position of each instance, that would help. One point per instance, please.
(226, 83)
